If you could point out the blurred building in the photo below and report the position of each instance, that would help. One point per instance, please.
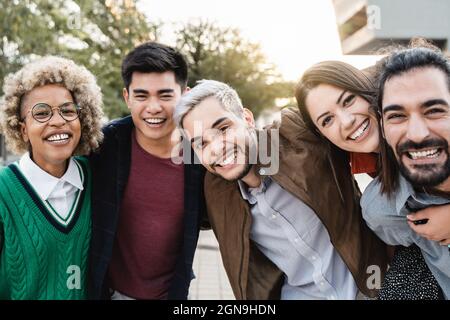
(365, 26)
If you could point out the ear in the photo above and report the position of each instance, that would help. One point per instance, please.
(186, 90)
(248, 116)
(24, 132)
(125, 96)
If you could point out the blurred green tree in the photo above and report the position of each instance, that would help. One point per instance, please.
(222, 54)
(96, 34)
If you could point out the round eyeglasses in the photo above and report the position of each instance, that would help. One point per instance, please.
(42, 112)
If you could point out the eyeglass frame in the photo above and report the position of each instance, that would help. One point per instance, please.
(77, 107)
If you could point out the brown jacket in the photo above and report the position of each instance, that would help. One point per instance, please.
(326, 185)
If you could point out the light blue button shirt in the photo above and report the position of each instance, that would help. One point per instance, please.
(387, 218)
(291, 235)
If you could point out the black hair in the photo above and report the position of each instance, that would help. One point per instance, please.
(154, 57)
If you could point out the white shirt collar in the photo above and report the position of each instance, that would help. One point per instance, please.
(43, 182)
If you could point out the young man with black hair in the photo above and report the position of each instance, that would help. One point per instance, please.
(146, 207)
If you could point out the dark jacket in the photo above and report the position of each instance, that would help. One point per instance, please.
(110, 170)
(324, 184)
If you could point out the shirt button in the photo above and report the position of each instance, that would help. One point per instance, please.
(262, 171)
(274, 215)
(322, 283)
(313, 258)
(332, 297)
(296, 240)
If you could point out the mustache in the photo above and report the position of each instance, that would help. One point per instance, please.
(434, 142)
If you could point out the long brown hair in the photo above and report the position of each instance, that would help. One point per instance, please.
(341, 75)
(338, 74)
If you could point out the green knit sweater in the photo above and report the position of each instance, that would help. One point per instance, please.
(40, 258)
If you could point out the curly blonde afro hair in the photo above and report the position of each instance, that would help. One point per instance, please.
(52, 70)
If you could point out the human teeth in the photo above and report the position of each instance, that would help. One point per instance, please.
(154, 120)
(424, 154)
(228, 160)
(57, 137)
(360, 131)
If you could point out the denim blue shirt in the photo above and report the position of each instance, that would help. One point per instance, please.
(387, 218)
(291, 235)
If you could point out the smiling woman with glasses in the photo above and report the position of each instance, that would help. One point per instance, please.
(50, 114)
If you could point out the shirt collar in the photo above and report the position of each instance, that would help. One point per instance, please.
(247, 192)
(406, 190)
(244, 191)
(43, 182)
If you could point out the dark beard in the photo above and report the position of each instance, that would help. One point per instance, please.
(429, 175)
(244, 172)
(435, 174)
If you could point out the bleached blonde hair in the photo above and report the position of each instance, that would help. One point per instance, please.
(204, 89)
(52, 70)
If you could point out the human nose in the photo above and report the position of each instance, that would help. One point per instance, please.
(56, 119)
(417, 129)
(154, 106)
(347, 119)
(217, 146)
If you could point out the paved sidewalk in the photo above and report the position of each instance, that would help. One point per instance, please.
(211, 281)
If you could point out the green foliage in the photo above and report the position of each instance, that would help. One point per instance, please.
(96, 34)
(222, 54)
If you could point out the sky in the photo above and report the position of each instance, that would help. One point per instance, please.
(293, 34)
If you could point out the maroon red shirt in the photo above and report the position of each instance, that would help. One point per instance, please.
(150, 229)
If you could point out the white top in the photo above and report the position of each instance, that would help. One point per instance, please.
(60, 193)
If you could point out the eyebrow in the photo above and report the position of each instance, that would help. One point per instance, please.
(433, 102)
(219, 121)
(137, 91)
(392, 107)
(165, 91)
(143, 91)
(215, 124)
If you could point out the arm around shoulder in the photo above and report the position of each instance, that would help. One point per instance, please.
(380, 215)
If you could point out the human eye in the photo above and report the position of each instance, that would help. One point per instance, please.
(394, 116)
(41, 111)
(326, 121)
(348, 100)
(166, 97)
(140, 97)
(68, 109)
(435, 111)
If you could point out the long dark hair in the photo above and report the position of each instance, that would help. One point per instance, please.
(341, 75)
(338, 74)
